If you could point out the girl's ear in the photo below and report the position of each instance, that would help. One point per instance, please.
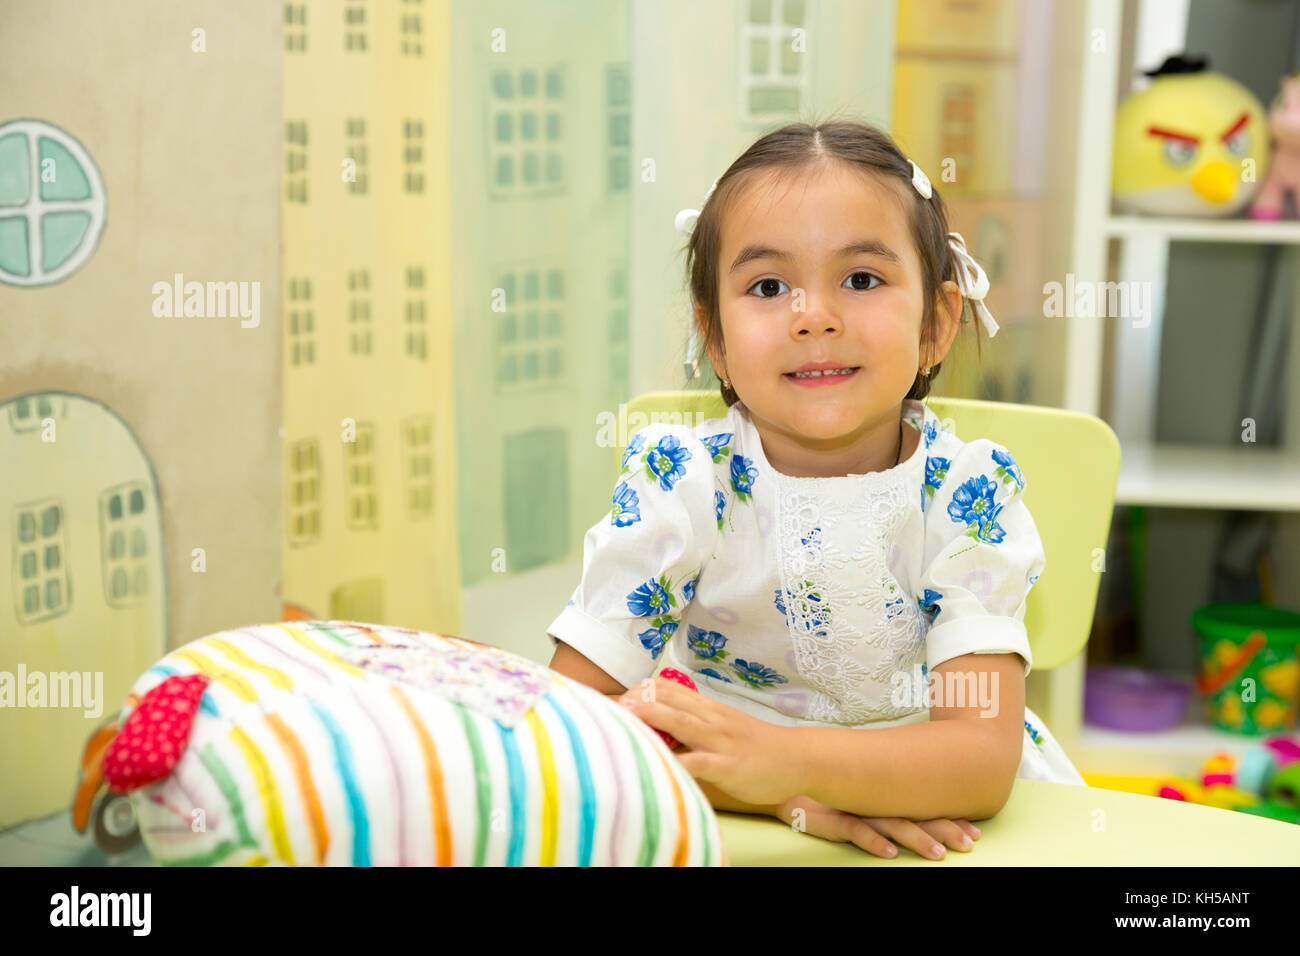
(712, 350)
(947, 319)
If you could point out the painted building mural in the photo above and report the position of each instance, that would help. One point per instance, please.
(453, 221)
(139, 440)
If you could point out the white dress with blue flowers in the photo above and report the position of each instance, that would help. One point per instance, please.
(810, 601)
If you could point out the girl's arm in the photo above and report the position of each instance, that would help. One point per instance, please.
(576, 666)
(729, 804)
(961, 764)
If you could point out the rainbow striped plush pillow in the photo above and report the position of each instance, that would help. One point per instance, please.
(340, 743)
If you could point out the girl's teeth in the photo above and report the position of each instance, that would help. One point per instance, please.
(844, 371)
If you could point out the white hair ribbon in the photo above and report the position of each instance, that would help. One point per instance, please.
(972, 281)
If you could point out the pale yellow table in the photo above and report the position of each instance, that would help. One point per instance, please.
(1051, 824)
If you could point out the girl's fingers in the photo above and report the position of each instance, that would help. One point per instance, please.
(970, 829)
(948, 832)
(861, 834)
(874, 834)
(908, 834)
(837, 826)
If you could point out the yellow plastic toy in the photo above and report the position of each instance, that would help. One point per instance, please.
(1282, 678)
(1214, 789)
(1265, 781)
(1193, 143)
(1221, 795)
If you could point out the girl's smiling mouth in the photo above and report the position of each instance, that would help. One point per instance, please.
(818, 378)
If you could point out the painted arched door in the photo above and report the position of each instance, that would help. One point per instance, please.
(83, 604)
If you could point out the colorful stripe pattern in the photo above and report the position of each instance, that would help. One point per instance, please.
(298, 756)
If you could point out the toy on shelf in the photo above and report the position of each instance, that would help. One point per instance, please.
(1127, 698)
(1264, 782)
(1283, 180)
(1193, 143)
(1250, 673)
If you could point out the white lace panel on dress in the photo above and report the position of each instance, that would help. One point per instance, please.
(853, 626)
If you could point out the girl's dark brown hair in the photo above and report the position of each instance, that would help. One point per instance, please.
(800, 146)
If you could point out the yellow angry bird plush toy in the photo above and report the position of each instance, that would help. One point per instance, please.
(1193, 143)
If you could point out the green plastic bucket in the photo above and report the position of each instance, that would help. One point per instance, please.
(1250, 668)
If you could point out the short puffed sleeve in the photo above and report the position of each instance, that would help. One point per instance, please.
(983, 554)
(641, 562)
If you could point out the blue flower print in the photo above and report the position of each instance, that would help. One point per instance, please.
(654, 639)
(929, 604)
(756, 675)
(1007, 468)
(665, 462)
(714, 674)
(809, 626)
(719, 505)
(1034, 734)
(1034, 580)
(815, 614)
(688, 589)
(930, 432)
(743, 475)
(973, 505)
(706, 644)
(652, 597)
(719, 445)
(633, 448)
(815, 598)
(893, 608)
(626, 506)
(990, 531)
(936, 470)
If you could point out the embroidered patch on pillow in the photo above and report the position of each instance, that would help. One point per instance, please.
(499, 685)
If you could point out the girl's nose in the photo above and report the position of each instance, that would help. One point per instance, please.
(817, 321)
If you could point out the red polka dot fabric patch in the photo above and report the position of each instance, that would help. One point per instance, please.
(154, 736)
(677, 677)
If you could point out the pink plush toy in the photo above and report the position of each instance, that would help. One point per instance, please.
(1284, 171)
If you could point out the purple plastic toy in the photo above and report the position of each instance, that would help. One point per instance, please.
(1126, 698)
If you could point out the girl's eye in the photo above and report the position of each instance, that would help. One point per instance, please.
(767, 284)
(869, 275)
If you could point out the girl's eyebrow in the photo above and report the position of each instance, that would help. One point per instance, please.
(867, 247)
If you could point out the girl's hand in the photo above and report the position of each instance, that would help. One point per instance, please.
(925, 838)
(739, 754)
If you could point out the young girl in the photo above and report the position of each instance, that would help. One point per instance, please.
(813, 556)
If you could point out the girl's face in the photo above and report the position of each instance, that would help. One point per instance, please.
(821, 268)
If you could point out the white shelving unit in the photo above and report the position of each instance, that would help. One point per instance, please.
(1152, 473)
(1201, 230)
(1167, 475)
